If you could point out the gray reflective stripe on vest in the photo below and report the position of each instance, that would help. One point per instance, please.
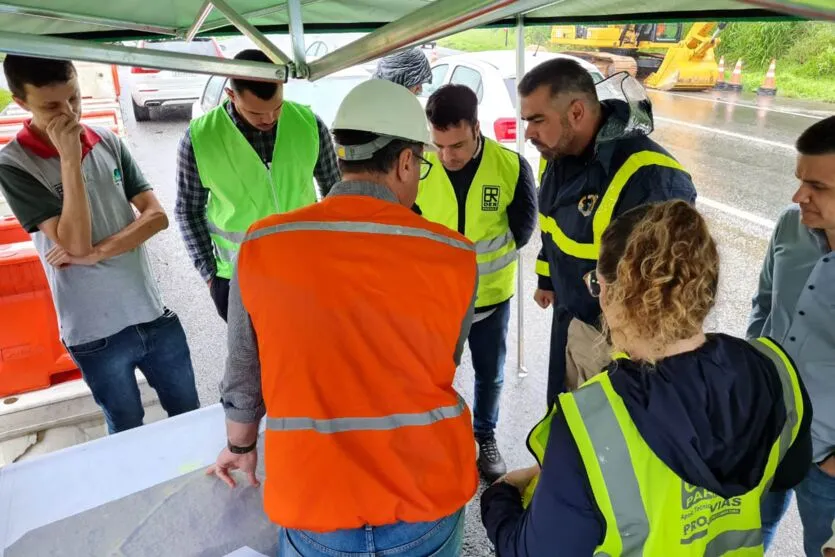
(234, 237)
(616, 467)
(788, 401)
(497, 264)
(731, 540)
(363, 227)
(225, 254)
(382, 423)
(487, 246)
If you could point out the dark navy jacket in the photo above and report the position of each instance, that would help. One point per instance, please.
(570, 182)
(711, 415)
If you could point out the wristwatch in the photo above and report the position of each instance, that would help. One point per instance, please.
(235, 449)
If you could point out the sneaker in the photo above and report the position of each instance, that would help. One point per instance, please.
(490, 462)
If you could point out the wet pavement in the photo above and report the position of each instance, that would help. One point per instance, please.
(742, 162)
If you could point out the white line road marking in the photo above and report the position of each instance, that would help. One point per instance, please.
(718, 131)
(745, 105)
(734, 212)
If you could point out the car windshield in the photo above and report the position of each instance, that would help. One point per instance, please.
(323, 96)
(205, 48)
(510, 83)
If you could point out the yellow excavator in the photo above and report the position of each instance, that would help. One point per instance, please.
(687, 64)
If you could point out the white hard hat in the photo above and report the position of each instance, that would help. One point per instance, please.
(384, 108)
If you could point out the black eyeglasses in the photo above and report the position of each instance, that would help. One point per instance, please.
(592, 283)
(425, 167)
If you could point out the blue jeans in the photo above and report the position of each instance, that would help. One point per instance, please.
(816, 504)
(442, 538)
(159, 349)
(488, 347)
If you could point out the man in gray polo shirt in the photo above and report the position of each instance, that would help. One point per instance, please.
(795, 306)
(74, 189)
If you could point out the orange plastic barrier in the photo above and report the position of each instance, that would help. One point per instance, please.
(11, 232)
(31, 354)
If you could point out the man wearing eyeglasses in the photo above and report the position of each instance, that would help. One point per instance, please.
(486, 192)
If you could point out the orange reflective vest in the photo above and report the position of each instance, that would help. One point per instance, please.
(358, 305)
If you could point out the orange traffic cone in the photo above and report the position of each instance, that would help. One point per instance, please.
(736, 77)
(769, 86)
(720, 79)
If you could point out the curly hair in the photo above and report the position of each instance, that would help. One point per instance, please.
(661, 269)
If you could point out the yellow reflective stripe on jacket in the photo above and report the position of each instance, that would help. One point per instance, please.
(542, 268)
(606, 207)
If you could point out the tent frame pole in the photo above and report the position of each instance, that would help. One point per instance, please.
(437, 19)
(82, 18)
(520, 148)
(204, 12)
(296, 25)
(44, 46)
(250, 31)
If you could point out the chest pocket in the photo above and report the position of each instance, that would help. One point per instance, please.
(604, 207)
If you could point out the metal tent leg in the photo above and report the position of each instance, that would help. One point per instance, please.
(520, 147)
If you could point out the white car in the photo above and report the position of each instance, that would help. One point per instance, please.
(151, 88)
(492, 75)
(322, 96)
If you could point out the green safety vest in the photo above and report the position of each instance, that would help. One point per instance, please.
(648, 509)
(242, 190)
(486, 222)
(606, 207)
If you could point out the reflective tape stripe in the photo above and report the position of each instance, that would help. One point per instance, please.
(497, 264)
(731, 540)
(234, 237)
(542, 268)
(361, 227)
(615, 463)
(773, 353)
(487, 246)
(382, 423)
(223, 253)
(606, 208)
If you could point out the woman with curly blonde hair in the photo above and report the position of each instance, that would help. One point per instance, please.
(669, 450)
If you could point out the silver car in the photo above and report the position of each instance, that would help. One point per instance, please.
(151, 88)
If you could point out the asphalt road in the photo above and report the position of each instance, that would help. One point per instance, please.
(741, 159)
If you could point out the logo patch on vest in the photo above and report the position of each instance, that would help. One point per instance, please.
(117, 178)
(490, 198)
(700, 507)
(587, 204)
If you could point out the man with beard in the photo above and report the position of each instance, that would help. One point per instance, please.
(600, 164)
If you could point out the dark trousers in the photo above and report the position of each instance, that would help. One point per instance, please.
(220, 295)
(488, 347)
(560, 320)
